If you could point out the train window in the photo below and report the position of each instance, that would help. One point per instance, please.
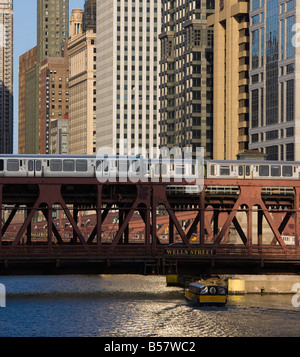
(55, 165)
(81, 165)
(123, 166)
(212, 170)
(224, 170)
(69, 165)
(135, 166)
(180, 170)
(99, 165)
(1, 165)
(38, 165)
(193, 170)
(30, 165)
(287, 171)
(263, 170)
(275, 170)
(12, 165)
(241, 171)
(247, 170)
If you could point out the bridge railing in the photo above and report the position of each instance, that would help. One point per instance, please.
(141, 251)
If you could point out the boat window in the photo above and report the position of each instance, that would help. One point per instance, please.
(30, 165)
(212, 170)
(275, 170)
(224, 170)
(287, 171)
(38, 165)
(1, 165)
(69, 165)
(247, 170)
(263, 170)
(55, 165)
(241, 171)
(12, 165)
(81, 165)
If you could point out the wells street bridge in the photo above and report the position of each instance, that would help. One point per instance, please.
(80, 224)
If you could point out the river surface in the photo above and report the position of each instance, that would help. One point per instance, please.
(134, 306)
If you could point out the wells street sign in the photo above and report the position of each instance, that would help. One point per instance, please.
(186, 251)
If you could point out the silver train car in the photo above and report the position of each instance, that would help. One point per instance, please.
(103, 167)
(252, 170)
(138, 167)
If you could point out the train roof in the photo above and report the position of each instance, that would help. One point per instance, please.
(255, 162)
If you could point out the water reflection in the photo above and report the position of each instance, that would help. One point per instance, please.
(129, 305)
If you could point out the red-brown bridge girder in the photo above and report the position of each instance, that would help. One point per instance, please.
(207, 213)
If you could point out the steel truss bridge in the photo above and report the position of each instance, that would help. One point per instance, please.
(230, 226)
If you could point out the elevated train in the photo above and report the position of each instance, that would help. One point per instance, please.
(139, 167)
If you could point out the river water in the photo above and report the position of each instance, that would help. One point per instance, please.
(134, 306)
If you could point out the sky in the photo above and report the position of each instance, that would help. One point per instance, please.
(25, 13)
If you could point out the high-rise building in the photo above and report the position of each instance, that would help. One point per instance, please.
(274, 84)
(82, 80)
(6, 76)
(231, 78)
(128, 54)
(52, 32)
(186, 95)
(26, 61)
(54, 96)
(52, 27)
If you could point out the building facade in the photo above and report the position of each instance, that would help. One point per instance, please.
(54, 94)
(82, 80)
(186, 91)
(274, 84)
(231, 78)
(52, 27)
(27, 61)
(128, 53)
(52, 32)
(60, 136)
(6, 76)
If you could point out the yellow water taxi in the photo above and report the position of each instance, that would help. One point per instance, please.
(206, 293)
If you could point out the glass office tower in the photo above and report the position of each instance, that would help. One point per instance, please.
(274, 111)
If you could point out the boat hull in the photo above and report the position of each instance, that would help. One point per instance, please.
(205, 299)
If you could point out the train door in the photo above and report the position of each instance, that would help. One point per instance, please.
(34, 168)
(244, 172)
(30, 168)
(248, 172)
(102, 168)
(38, 168)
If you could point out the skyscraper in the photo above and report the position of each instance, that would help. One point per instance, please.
(52, 32)
(52, 27)
(186, 97)
(6, 76)
(231, 78)
(275, 86)
(128, 53)
(82, 80)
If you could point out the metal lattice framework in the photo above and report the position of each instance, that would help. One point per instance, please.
(158, 215)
